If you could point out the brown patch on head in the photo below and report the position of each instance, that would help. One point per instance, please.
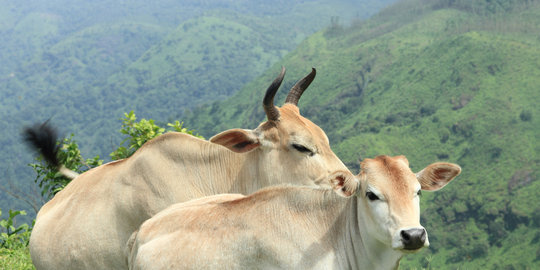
(391, 176)
(394, 170)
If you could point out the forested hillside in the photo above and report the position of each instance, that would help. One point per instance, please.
(83, 64)
(440, 80)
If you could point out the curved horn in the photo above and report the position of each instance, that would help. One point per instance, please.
(272, 112)
(300, 87)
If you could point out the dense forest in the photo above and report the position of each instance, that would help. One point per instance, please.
(83, 64)
(434, 80)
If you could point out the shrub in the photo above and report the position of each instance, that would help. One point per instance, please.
(15, 259)
(428, 110)
(525, 116)
(11, 235)
(138, 133)
(463, 129)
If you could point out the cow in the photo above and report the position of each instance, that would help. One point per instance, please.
(365, 222)
(86, 225)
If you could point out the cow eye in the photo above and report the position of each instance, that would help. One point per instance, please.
(371, 196)
(419, 193)
(302, 149)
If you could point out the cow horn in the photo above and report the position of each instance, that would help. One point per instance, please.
(272, 112)
(300, 87)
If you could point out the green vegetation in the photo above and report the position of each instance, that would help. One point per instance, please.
(138, 133)
(449, 80)
(11, 235)
(15, 259)
(83, 63)
(14, 238)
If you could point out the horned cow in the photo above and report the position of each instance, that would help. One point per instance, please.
(86, 225)
(293, 227)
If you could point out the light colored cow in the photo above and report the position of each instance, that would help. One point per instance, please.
(293, 227)
(86, 225)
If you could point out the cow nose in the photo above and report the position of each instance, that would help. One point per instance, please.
(413, 239)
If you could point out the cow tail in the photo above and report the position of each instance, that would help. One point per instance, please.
(43, 138)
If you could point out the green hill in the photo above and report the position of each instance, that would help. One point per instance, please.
(447, 80)
(202, 60)
(83, 64)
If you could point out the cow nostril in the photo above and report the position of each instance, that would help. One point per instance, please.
(423, 236)
(413, 239)
(405, 236)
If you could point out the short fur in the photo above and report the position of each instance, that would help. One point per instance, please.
(288, 227)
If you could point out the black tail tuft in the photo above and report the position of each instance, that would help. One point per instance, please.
(43, 138)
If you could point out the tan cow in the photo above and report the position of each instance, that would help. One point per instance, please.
(293, 227)
(86, 225)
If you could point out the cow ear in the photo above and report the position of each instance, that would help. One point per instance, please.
(344, 184)
(237, 140)
(435, 176)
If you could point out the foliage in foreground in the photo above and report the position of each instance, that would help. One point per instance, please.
(140, 132)
(14, 239)
(15, 259)
(14, 253)
(13, 236)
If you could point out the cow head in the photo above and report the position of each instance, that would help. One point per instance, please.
(389, 199)
(287, 144)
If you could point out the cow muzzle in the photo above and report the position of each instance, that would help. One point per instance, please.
(410, 239)
(414, 239)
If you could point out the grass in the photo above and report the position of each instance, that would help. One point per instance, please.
(15, 259)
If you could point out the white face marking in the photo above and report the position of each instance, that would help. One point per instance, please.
(397, 239)
(377, 205)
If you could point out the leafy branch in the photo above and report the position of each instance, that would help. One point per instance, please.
(138, 133)
(12, 236)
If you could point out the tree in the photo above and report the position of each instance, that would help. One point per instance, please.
(140, 132)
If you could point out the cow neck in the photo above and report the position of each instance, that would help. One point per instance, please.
(237, 172)
(249, 177)
(207, 168)
(327, 215)
(363, 251)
